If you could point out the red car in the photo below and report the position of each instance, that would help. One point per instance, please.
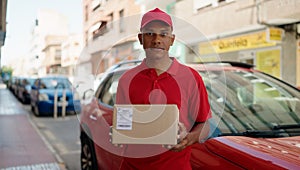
(255, 123)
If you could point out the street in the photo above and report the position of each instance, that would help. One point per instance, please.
(62, 134)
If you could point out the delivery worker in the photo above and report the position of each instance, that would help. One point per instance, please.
(161, 79)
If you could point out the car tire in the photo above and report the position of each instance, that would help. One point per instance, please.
(88, 159)
(23, 99)
(32, 109)
(36, 110)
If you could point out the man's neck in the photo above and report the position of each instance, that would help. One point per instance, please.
(160, 65)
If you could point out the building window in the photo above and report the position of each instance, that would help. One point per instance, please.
(95, 4)
(57, 54)
(111, 19)
(86, 15)
(197, 5)
(121, 22)
(99, 29)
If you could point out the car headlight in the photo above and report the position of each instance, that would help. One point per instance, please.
(43, 96)
(76, 96)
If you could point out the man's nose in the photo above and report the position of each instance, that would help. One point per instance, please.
(156, 38)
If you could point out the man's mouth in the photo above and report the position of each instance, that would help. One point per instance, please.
(156, 49)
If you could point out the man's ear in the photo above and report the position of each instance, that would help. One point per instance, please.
(172, 39)
(140, 36)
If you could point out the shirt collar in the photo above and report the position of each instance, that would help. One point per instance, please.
(172, 69)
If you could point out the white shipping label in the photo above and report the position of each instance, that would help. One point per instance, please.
(124, 118)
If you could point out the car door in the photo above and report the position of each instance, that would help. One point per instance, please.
(101, 115)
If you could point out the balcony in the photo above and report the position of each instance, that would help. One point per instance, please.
(101, 30)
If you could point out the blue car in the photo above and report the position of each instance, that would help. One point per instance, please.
(43, 94)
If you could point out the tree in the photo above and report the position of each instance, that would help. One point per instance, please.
(6, 73)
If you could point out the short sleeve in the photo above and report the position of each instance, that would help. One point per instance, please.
(198, 103)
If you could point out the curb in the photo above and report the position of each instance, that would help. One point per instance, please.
(59, 160)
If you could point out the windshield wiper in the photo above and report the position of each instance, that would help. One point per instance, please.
(286, 126)
(259, 133)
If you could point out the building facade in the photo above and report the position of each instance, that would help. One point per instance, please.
(260, 32)
(48, 23)
(70, 53)
(264, 33)
(110, 28)
(3, 7)
(53, 54)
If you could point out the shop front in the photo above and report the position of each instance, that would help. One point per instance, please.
(262, 49)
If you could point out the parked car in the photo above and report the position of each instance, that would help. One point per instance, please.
(24, 89)
(126, 63)
(43, 94)
(84, 83)
(255, 121)
(10, 83)
(15, 85)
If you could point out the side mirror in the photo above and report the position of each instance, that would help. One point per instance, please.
(88, 94)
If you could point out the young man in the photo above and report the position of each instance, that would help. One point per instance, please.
(161, 79)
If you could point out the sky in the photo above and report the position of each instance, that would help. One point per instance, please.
(20, 18)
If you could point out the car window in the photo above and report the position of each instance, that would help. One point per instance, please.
(36, 82)
(55, 83)
(246, 100)
(109, 90)
(31, 81)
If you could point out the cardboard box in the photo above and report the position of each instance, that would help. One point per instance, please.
(145, 124)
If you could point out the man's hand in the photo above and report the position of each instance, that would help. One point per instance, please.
(110, 138)
(198, 133)
(182, 138)
(182, 132)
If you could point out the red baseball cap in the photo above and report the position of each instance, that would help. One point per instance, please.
(156, 14)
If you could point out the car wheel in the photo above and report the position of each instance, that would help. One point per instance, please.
(88, 156)
(32, 108)
(23, 99)
(36, 110)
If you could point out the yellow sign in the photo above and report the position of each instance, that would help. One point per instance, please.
(274, 34)
(243, 42)
(269, 62)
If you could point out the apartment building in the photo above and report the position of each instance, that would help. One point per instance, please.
(53, 53)
(3, 6)
(260, 32)
(49, 23)
(110, 28)
(70, 52)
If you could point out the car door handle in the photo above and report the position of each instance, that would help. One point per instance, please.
(93, 117)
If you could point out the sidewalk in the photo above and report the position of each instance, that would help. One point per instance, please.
(21, 146)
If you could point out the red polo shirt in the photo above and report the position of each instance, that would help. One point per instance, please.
(180, 85)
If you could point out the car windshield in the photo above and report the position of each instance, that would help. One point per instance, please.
(30, 81)
(245, 102)
(55, 83)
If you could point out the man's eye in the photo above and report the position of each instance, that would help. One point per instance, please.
(149, 34)
(164, 34)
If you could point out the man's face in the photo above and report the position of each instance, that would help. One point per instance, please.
(156, 38)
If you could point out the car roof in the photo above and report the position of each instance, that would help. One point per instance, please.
(230, 63)
(221, 65)
(53, 76)
(200, 66)
(123, 64)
